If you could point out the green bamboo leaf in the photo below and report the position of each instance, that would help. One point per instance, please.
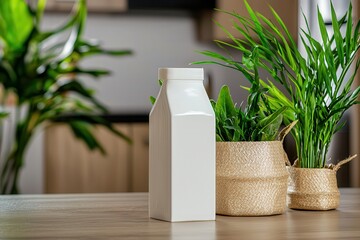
(308, 29)
(214, 62)
(339, 82)
(315, 45)
(271, 118)
(237, 47)
(355, 37)
(246, 35)
(352, 78)
(340, 126)
(274, 91)
(349, 26)
(215, 55)
(258, 26)
(322, 26)
(337, 35)
(227, 33)
(283, 26)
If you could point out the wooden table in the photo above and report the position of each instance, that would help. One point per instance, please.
(125, 216)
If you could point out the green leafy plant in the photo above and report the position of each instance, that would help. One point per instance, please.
(234, 124)
(317, 86)
(41, 70)
(152, 98)
(259, 121)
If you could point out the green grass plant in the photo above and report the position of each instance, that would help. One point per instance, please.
(317, 86)
(233, 124)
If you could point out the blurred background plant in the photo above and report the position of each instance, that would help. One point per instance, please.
(40, 71)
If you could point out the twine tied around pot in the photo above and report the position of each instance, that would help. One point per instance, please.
(281, 137)
(342, 162)
(334, 167)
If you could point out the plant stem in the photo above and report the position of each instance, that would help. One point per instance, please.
(6, 175)
(14, 162)
(17, 166)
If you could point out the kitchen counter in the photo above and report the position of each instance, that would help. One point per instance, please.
(125, 216)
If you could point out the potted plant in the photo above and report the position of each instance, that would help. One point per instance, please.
(39, 69)
(317, 89)
(251, 178)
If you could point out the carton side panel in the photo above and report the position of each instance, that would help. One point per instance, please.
(159, 165)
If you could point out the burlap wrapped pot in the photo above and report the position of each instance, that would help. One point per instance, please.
(314, 188)
(251, 178)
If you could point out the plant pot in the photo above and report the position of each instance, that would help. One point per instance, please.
(314, 188)
(251, 178)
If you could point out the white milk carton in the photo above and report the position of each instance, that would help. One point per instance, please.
(182, 149)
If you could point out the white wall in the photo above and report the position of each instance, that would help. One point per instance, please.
(157, 41)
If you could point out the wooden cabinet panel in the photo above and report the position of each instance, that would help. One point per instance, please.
(140, 157)
(287, 10)
(71, 168)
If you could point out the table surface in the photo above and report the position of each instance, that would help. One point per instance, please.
(125, 216)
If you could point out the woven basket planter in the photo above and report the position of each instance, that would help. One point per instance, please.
(314, 188)
(251, 178)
